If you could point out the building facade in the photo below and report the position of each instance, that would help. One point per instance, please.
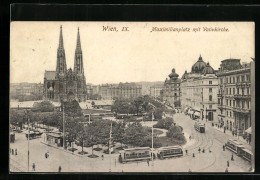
(66, 84)
(234, 95)
(171, 92)
(155, 91)
(26, 91)
(121, 90)
(199, 90)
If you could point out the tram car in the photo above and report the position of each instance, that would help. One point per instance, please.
(235, 146)
(199, 127)
(247, 154)
(169, 151)
(135, 154)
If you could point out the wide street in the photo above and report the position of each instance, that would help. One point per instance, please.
(213, 140)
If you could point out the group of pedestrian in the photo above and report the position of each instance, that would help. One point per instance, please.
(13, 151)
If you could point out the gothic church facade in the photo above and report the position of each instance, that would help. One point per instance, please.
(66, 84)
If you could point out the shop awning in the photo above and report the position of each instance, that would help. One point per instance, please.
(249, 130)
(197, 114)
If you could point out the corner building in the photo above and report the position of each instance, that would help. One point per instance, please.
(66, 84)
(234, 95)
(171, 91)
(199, 90)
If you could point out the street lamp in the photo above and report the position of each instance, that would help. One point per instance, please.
(28, 139)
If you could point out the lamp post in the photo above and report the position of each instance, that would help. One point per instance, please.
(63, 119)
(28, 139)
(152, 137)
(110, 143)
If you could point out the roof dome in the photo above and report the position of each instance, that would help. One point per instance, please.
(208, 70)
(184, 76)
(198, 66)
(173, 75)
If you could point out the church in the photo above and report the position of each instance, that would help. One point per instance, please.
(66, 84)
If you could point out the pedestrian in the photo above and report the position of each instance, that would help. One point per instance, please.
(33, 167)
(199, 150)
(193, 155)
(190, 137)
(102, 156)
(203, 150)
(209, 151)
(59, 168)
(227, 163)
(232, 157)
(12, 151)
(46, 155)
(226, 170)
(186, 151)
(223, 147)
(15, 151)
(148, 162)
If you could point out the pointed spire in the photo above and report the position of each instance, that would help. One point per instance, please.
(61, 39)
(78, 42)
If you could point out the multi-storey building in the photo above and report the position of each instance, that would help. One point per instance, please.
(26, 89)
(66, 84)
(199, 90)
(171, 90)
(121, 90)
(155, 91)
(234, 95)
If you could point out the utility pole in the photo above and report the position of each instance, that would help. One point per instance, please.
(63, 118)
(152, 138)
(110, 143)
(28, 139)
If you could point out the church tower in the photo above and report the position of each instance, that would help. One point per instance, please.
(78, 60)
(61, 67)
(79, 71)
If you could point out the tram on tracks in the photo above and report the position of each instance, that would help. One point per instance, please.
(238, 148)
(169, 151)
(135, 154)
(235, 146)
(199, 127)
(247, 154)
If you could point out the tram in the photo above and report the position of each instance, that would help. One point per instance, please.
(247, 154)
(169, 151)
(199, 127)
(135, 154)
(235, 146)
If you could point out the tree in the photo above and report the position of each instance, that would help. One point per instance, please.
(72, 108)
(118, 132)
(81, 134)
(44, 106)
(175, 133)
(134, 134)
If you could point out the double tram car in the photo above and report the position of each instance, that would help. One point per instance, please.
(247, 154)
(199, 127)
(135, 154)
(170, 151)
(235, 146)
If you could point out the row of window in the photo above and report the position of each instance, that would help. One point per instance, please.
(233, 103)
(239, 90)
(236, 79)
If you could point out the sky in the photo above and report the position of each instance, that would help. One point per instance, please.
(139, 54)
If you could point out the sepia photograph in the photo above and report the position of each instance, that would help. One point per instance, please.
(119, 97)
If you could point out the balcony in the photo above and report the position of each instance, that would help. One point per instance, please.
(221, 106)
(220, 95)
(240, 96)
(241, 110)
(243, 84)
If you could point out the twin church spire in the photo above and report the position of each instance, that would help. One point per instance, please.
(61, 67)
